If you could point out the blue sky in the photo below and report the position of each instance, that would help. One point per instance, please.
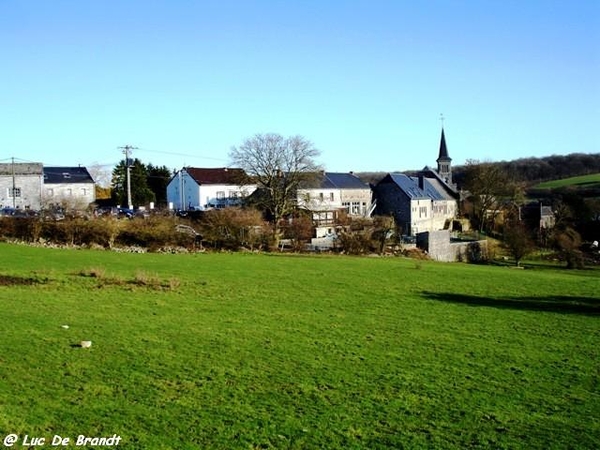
(365, 81)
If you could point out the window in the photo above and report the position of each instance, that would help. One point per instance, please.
(423, 211)
(220, 195)
(331, 196)
(14, 192)
(321, 196)
(50, 192)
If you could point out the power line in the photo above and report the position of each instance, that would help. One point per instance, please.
(13, 159)
(186, 155)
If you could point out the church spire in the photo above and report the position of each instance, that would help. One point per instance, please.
(444, 162)
(443, 149)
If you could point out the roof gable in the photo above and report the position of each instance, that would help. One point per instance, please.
(223, 175)
(58, 175)
(448, 188)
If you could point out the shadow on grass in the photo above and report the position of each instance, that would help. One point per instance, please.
(559, 304)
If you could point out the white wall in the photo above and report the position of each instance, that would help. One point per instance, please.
(443, 210)
(319, 199)
(182, 191)
(30, 191)
(421, 217)
(73, 195)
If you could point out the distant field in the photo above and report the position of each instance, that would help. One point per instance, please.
(248, 351)
(586, 181)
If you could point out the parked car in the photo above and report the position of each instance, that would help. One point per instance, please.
(7, 211)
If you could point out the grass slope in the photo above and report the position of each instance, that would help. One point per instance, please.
(247, 351)
(585, 181)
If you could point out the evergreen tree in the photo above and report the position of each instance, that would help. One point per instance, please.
(158, 179)
(141, 194)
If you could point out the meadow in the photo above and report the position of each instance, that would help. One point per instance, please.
(257, 351)
(586, 181)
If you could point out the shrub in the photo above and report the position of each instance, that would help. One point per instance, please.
(234, 228)
(152, 233)
(355, 243)
(299, 231)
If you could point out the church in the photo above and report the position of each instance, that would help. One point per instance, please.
(425, 202)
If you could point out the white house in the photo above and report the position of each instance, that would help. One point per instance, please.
(200, 188)
(21, 185)
(71, 187)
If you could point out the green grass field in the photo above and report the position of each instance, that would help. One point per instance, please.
(252, 351)
(586, 181)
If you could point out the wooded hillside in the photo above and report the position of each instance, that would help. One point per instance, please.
(535, 170)
(528, 170)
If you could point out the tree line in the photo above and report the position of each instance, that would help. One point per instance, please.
(535, 170)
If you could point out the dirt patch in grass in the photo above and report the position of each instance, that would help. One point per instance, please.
(12, 280)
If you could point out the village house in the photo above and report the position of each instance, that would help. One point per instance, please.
(329, 193)
(193, 188)
(426, 202)
(71, 187)
(34, 187)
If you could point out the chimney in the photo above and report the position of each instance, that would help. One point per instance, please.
(421, 182)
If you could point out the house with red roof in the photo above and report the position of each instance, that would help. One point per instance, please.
(194, 188)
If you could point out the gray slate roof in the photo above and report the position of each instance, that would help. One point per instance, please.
(59, 175)
(410, 186)
(336, 180)
(21, 169)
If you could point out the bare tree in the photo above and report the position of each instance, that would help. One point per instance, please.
(492, 189)
(517, 240)
(100, 173)
(278, 165)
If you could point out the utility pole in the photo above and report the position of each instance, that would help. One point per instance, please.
(14, 184)
(127, 151)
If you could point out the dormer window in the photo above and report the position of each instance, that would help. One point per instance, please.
(66, 175)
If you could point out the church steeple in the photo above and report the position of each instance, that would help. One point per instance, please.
(444, 162)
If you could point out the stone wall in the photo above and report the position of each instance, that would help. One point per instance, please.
(438, 246)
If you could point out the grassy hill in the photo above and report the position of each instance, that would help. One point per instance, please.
(585, 181)
(228, 351)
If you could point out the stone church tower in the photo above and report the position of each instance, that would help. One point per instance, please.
(444, 162)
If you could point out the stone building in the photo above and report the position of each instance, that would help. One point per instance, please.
(21, 185)
(426, 202)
